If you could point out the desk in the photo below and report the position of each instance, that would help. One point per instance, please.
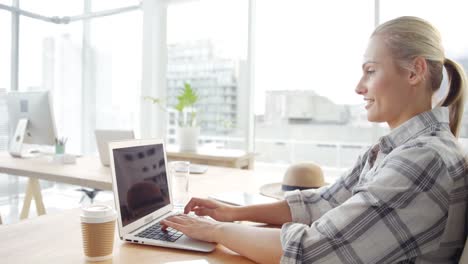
(56, 238)
(87, 172)
(232, 158)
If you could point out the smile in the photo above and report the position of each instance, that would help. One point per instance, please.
(370, 102)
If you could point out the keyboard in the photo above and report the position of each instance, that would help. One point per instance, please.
(155, 232)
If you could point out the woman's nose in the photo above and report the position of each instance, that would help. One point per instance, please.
(360, 89)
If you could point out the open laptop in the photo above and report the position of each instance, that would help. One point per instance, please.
(103, 137)
(143, 195)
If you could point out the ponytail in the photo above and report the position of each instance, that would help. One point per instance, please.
(410, 37)
(455, 98)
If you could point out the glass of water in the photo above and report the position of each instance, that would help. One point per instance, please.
(180, 171)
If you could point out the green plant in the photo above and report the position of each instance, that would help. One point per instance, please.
(187, 98)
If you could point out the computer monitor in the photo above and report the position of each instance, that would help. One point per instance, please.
(31, 120)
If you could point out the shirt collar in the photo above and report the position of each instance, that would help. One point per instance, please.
(413, 127)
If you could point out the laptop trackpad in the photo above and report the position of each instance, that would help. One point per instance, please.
(196, 244)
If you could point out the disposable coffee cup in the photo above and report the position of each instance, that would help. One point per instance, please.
(98, 227)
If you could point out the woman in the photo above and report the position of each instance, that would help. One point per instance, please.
(403, 201)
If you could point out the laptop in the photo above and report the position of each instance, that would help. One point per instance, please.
(103, 137)
(143, 197)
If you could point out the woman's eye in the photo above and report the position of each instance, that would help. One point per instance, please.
(370, 71)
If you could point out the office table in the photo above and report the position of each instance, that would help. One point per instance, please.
(233, 158)
(56, 238)
(87, 172)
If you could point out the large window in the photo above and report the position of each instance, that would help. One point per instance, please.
(100, 5)
(50, 59)
(449, 17)
(95, 86)
(308, 62)
(5, 35)
(116, 69)
(207, 47)
(52, 8)
(307, 56)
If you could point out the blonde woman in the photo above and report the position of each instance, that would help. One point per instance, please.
(405, 199)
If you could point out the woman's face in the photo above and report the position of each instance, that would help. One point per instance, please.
(384, 85)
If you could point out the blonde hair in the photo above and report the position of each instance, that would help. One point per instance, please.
(411, 37)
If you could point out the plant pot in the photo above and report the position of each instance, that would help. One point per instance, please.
(188, 138)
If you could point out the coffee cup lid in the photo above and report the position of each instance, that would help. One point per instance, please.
(98, 213)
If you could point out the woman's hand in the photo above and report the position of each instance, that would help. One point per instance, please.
(216, 210)
(195, 227)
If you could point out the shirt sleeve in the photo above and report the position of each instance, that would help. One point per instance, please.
(398, 214)
(308, 205)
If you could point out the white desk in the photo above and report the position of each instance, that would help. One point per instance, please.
(87, 172)
(232, 158)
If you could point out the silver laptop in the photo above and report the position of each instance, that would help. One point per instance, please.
(103, 137)
(143, 195)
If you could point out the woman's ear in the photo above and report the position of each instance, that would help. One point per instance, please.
(418, 71)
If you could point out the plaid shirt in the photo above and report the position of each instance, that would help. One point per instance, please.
(403, 202)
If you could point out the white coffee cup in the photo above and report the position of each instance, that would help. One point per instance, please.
(98, 227)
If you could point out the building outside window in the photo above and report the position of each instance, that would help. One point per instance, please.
(207, 47)
(308, 62)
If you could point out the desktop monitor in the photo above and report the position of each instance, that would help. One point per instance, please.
(31, 120)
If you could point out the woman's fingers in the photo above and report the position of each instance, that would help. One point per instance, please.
(201, 211)
(167, 223)
(191, 204)
(198, 202)
(175, 219)
(194, 227)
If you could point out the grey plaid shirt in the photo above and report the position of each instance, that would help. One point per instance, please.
(403, 202)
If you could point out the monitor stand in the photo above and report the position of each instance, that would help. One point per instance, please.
(16, 143)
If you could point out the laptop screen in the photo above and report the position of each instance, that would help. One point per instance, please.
(141, 181)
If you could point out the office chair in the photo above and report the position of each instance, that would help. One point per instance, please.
(88, 193)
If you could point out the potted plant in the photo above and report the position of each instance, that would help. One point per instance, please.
(188, 131)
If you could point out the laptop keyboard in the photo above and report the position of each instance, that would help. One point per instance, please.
(155, 232)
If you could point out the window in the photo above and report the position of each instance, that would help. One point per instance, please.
(100, 5)
(207, 47)
(5, 51)
(100, 91)
(308, 62)
(50, 59)
(449, 17)
(116, 69)
(52, 8)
